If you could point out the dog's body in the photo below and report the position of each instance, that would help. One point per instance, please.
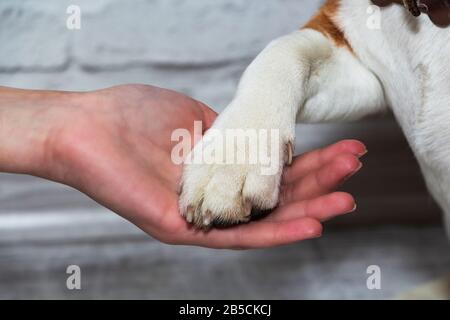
(337, 68)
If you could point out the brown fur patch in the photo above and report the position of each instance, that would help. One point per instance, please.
(324, 22)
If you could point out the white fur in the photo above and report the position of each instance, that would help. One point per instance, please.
(306, 76)
(411, 57)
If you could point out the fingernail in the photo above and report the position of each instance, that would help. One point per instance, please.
(317, 236)
(354, 209)
(353, 172)
(362, 154)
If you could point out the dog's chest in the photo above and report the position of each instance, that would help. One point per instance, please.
(411, 57)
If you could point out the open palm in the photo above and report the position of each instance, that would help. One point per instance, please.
(116, 147)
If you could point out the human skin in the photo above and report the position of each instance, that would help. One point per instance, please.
(115, 146)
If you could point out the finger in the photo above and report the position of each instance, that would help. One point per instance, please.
(315, 159)
(321, 181)
(261, 234)
(322, 208)
(209, 115)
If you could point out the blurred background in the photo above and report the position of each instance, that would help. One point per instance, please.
(198, 47)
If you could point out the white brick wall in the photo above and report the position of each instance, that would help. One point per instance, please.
(184, 33)
(182, 44)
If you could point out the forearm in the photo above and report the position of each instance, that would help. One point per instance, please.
(28, 124)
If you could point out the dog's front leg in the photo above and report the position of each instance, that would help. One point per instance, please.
(283, 80)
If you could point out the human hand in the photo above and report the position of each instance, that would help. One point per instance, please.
(115, 146)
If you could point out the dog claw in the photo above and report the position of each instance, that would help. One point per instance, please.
(290, 153)
(190, 214)
(247, 209)
(207, 218)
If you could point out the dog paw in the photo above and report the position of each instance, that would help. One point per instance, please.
(223, 194)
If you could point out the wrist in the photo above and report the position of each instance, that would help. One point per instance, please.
(29, 126)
